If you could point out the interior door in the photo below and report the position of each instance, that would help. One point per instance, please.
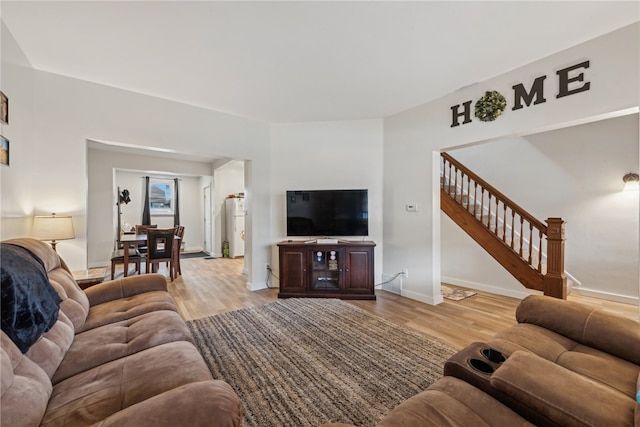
(208, 235)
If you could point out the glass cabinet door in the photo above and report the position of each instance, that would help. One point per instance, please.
(326, 269)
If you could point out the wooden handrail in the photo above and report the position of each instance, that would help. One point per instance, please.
(499, 225)
(507, 201)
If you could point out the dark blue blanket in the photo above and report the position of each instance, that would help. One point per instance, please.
(30, 305)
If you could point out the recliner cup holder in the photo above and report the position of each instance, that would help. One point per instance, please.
(481, 365)
(493, 355)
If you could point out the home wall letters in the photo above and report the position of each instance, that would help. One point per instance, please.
(571, 80)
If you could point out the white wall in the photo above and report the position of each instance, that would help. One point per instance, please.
(328, 155)
(19, 178)
(68, 111)
(414, 138)
(582, 169)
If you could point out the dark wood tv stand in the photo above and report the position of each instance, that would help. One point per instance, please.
(335, 270)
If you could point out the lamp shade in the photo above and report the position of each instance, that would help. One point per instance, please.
(53, 228)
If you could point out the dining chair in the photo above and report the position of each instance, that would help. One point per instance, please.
(177, 246)
(160, 248)
(142, 229)
(117, 257)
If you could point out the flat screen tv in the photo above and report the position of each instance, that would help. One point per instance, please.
(328, 213)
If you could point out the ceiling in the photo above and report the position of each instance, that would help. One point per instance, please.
(301, 61)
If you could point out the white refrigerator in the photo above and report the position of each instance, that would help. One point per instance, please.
(235, 225)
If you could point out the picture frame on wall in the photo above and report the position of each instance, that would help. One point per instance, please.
(4, 151)
(4, 108)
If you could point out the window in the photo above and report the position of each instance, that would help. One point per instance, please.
(161, 196)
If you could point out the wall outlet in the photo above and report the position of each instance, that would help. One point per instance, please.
(405, 273)
(267, 267)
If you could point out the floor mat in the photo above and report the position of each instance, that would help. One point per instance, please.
(455, 294)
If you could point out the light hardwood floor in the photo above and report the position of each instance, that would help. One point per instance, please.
(212, 286)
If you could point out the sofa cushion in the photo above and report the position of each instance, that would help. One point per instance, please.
(589, 326)
(24, 387)
(602, 367)
(125, 287)
(95, 394)
(49, 351)
(110, 342)
(452, 402)
(200, 404)
(128, 308)
(563, 396)
(30, 305)
(588, 361)
(74, 302)
(524, 336)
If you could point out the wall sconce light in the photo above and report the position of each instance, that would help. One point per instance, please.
(631, 181)
(53, 228)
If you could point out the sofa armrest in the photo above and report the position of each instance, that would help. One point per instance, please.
(610, 333)
(125, 287)
(561, 395)
(202, 404)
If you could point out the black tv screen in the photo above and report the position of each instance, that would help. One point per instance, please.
(328, 213)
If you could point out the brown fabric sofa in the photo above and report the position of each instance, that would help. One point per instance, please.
(571, 364)
(118, 354)
(563, 364)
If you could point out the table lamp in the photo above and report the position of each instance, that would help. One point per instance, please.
(53, 228)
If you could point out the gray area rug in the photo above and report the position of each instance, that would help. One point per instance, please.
(304, 362)
(188, 255)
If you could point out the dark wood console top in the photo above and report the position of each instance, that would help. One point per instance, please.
(314, 243)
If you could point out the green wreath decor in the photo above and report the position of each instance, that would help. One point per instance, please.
(490, 106)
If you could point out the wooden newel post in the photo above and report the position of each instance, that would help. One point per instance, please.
(555, 282)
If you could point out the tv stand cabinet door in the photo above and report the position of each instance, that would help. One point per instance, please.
(358, 271)
(294, 273)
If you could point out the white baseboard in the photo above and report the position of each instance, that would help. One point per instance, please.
(514, 293)
(609, 296)
(256, 286)
(421, 297)
(106, 264)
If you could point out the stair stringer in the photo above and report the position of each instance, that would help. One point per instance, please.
(501, 252)
(460, 194)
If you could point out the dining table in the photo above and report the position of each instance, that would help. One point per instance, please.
(132, 241)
